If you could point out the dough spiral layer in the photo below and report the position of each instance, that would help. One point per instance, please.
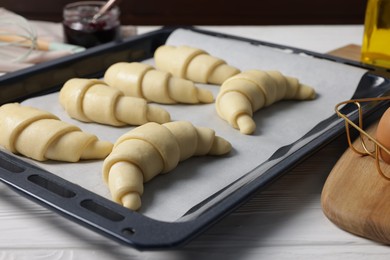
(91, 100)
(151, 149)
(243, 94)
(142, 80)
(193, 64)
(41, 135)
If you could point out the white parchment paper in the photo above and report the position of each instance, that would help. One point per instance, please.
(167, 197)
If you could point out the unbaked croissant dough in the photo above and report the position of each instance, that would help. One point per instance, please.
(150, 149)
(247, 92)
(193, 64)
(41, 135)
(142, 80)
(91, 100)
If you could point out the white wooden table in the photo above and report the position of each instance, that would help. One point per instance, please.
(283, 222)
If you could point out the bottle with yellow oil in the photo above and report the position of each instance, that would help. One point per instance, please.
(376, 40)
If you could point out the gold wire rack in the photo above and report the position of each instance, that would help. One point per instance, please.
(363, 135)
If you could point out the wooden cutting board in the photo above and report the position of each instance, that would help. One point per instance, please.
(356, 198)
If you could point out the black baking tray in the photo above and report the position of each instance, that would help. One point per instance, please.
(129, 227)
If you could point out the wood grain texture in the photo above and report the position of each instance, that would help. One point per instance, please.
(350, 51)
(355, 196)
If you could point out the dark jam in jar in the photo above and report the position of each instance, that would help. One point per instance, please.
(80, 29)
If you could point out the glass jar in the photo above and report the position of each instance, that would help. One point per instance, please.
(376, 39)
(80, 29)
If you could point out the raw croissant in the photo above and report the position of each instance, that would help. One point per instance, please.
(150, 149)
(193, 64)
(41, 135)
(91, 100)
(247, 92)
(142, 80)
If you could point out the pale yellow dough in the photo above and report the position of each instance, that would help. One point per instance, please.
(150, 149)
(193, 64)
(243, 94)
(41, 135)
(142, 80)
(92, 100)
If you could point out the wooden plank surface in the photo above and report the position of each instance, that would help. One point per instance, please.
(350, 51)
